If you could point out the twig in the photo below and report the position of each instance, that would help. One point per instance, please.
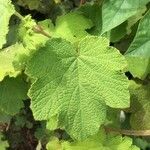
(128, 132)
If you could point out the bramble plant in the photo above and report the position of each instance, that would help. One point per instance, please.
(74, 74)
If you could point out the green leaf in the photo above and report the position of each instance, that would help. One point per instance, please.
(100, 141)
(138, 54)
(77, 82)
(142, 143)
(12, 60)
(29, 38)
(54, 144)
(71, 26)
(93, 12)
(6, 11)
(14, 57)
(115, 12)
(3, 143)
(52, 123)
(140, 106)
(13, 30)
(13, 91)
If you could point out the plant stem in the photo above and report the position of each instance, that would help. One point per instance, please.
(128, 132)
(39, 29)
(19, 15)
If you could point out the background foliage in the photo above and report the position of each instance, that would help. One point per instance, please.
(74, 74)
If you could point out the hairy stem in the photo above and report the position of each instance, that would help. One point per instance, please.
(39, 29)
(128, 132)
(19, 15)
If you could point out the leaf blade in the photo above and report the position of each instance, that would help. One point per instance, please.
(6, 11)
(138, 55)
(115, 12)
(66, 84)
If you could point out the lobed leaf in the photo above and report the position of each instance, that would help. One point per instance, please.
(77, 83)
(71, 26)
(13, 92)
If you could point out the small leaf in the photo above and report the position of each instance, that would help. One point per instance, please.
(54, 144)
(52, 123)
(30, 39)
(12, 60)
(13, 92)
(3, 143)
